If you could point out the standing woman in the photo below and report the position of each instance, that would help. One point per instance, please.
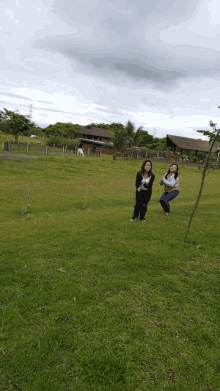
(171, 190)
(144, 183)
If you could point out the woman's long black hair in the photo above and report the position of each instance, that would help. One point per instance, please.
(143, 170)
(176, 173)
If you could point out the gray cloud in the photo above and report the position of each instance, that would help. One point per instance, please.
(115, 39)
(146, 61)
(51, 110)
(42, 101)
(12, 95)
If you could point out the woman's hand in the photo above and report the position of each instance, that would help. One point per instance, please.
(139, 189)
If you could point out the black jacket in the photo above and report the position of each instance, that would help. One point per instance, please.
(147, 186)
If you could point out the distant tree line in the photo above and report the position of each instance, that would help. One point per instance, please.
(123, 137)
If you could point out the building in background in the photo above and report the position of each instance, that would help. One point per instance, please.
(95, 139)
(179, 144)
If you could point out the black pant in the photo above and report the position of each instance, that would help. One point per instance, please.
(142, 199)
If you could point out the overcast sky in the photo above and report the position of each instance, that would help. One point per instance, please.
(155, 63)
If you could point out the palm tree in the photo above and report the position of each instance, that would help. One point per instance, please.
(132, 136)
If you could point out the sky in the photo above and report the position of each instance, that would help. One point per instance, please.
(155, 63)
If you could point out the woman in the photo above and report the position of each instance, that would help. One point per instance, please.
(171, 190)
(144, 183)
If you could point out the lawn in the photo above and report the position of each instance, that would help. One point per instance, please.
(92, 301)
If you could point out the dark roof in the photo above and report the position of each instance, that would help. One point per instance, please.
(100, 132)
(189, 143)
(95, 142)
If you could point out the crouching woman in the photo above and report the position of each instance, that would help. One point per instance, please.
(171, 188)
(144, 183)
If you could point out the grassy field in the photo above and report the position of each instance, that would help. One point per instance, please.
(21, 139)
(92, 301)
(36, 146)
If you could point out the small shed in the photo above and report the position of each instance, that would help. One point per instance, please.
(185, 143)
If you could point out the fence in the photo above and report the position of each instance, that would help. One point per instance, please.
(138, 154)
(42, 149)
(170, 157)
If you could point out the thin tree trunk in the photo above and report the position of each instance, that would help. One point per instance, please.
(200, 190)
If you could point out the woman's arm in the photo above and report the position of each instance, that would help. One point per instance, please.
(138, 181)
(150, 184)
(170, 183)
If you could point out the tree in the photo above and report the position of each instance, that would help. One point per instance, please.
(116, 126)
(144, 138)
(132, 137)
(103, 126)
(63, 130)
(118, 136)
(210, 163)
(13, 123)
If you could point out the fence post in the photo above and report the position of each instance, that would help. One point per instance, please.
(18, 146)
(46, 150)
(63, 151)
(137, 154)
(54, 147)
(27, 147)
(88, 152)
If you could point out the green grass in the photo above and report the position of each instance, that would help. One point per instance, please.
(91, 301)
(34, 146)
(21, 139)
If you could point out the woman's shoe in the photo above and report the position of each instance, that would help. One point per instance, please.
(143, 221)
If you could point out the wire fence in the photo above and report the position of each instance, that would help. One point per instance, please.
(40, 149)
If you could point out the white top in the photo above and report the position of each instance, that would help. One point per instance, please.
(171, 181)
(80, 150)
(144, 180)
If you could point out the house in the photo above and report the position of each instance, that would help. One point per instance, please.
(96, 139)
(183, 143)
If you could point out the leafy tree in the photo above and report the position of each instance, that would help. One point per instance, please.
(210, 163)
(116, 126)
(144, 139)
(65, 130)
(13, 123)
(132, 137)
(118, 133)
(103, 126)
(118, 136)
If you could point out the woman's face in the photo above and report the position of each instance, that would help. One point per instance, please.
(173, 168)
(147, 166)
